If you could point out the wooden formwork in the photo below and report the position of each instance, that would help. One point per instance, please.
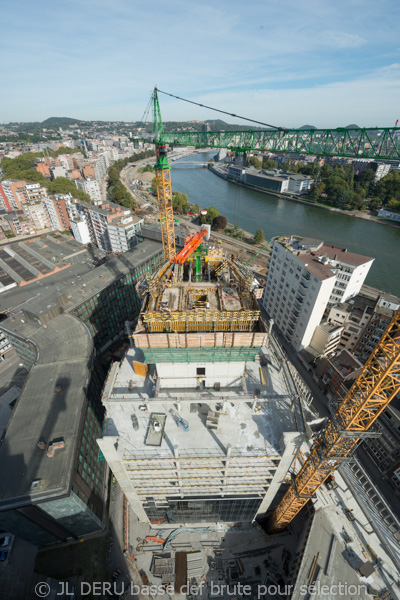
(201, 340)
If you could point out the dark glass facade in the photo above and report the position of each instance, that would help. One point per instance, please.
(105, 313)
(205, 510)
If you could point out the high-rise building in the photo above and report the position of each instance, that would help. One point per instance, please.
(304, 277)
(193, 431)
(123, 231)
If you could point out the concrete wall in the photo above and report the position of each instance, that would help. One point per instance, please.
(186, 375)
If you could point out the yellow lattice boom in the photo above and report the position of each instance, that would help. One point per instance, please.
(373, 390)
(164, 194)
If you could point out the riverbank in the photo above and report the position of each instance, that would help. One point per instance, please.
(351, 213)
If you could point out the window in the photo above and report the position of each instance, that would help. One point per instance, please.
(200, 371)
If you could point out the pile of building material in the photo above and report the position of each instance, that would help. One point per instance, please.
(165, 568)
(194, 565)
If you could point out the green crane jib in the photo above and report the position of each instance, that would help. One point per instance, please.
(374, 143)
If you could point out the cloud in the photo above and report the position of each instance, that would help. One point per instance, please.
(101, 60)
(343, 40)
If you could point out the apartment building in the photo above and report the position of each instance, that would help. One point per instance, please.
(101, 164)
(33, 192)
(57, 208)
(16, 223)
(122, 232)
(304, 277)
(364, 319)
(9, 194)
(98, 218)
(57, 171)
(43, 169)
(80, 230)
(381, 169)
(38, 214)
(90, 187)
(339, 373)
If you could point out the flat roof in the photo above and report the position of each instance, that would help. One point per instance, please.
(80, 281)
(238, 424)
(49, 409)
(325, 556)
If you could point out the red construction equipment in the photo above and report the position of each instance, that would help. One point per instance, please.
(154, 538)
(192, 242)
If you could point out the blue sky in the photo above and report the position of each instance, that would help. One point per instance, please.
(327, 63)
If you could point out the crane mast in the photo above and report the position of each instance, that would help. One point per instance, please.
(163, 181)
(373, 390)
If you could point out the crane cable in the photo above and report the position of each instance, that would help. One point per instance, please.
(147, 110)
(223, 111)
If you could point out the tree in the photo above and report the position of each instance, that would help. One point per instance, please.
(154, 186)
(212, 212)
(219, 223)
(268, 163)
(62, 185)
(393, 204)
(180, 203)
(255, 162)
(259, 237)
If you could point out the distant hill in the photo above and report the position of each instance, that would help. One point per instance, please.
(307, 127)
(60, 122)
(352, 126)
(219, 125)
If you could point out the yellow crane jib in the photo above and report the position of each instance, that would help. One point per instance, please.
(163, 181)
(372, 391)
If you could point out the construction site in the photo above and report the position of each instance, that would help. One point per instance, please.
(226, 471)
(203, 420)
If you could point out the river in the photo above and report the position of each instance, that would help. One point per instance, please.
(253, 210)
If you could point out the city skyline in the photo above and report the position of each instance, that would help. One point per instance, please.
(288, 65)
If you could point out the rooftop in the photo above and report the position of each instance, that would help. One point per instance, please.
(237, 421)
(316, 267)
(81, 280)
(345, 362)
(342, 255)
(49, 410)
(317, 248)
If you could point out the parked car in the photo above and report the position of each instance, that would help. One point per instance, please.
(135, 422)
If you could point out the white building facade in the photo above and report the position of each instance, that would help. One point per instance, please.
(90, 187)
(304, 277)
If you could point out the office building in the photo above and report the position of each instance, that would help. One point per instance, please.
(53, 485)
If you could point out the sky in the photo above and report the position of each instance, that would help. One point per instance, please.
(327, 63)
